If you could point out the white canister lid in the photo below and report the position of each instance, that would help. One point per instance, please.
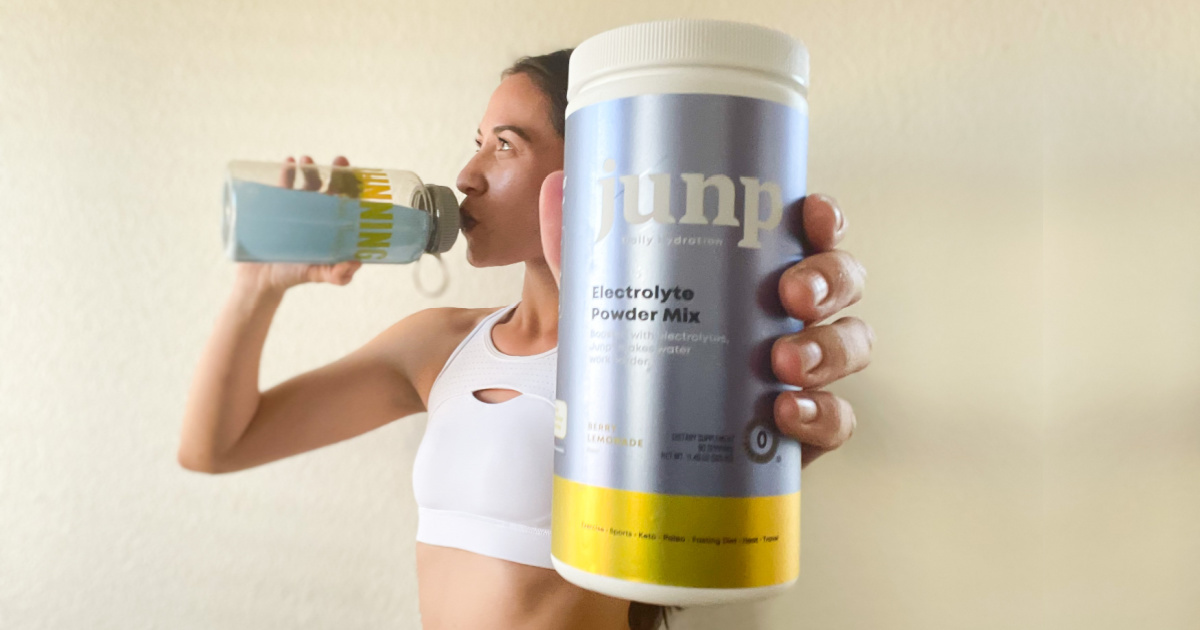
(689, 42)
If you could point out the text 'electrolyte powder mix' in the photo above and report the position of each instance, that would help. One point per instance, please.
(686, 147)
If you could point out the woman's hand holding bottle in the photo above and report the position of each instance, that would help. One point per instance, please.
(278, 277)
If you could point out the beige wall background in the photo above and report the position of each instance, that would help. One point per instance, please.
(1019, 178)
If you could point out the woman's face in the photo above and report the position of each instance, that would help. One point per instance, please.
(518, 148)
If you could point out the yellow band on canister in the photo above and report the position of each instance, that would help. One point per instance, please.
(677, 540)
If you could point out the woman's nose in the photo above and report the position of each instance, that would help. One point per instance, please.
(470, 179)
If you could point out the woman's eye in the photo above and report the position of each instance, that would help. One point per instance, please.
(503, 143)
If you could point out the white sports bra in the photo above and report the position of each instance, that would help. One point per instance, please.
(484, 472)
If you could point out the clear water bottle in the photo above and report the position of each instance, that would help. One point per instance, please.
(334, 214)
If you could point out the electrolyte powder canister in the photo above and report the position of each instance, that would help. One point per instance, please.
(686, 146)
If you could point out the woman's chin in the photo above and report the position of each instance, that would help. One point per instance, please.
(475, 260)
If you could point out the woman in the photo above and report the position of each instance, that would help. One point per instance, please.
(483, 539)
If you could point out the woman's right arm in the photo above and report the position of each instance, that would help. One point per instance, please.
(229, 425)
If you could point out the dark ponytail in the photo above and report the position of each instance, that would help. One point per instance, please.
(643, 616)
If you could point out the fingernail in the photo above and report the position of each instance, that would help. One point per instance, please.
(841, 222)
(818, 286)
(806, 409)
(810, 355)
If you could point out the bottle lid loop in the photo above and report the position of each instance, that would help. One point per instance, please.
(445, 277)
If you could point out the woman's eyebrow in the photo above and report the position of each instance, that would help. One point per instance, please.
(513, 128)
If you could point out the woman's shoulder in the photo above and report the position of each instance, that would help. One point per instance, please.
(451, 321)
(430, 336)
(428, 330)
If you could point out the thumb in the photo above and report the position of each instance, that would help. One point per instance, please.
(550, 216)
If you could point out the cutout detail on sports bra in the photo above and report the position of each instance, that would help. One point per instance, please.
(494, 396)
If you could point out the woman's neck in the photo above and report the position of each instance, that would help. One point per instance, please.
(536, 316)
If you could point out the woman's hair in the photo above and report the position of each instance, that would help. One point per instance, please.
(549, 74)
(643, 616)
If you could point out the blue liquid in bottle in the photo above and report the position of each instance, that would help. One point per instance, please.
(275, 224)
